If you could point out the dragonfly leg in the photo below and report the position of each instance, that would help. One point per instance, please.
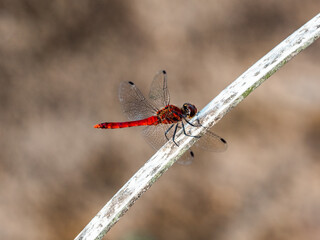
(174, 134)
(198, 121)
(184, 130)
(167, 131)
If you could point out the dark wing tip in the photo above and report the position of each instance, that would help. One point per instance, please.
(131, 83)
(222, 140)
(164, 72)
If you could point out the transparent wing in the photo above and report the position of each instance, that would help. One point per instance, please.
(211, 142)
(187, 158)
(155, 136)
(159, 93)
(134, 104)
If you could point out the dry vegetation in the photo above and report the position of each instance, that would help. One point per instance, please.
(60, 65)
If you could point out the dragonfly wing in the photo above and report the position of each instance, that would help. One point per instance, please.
(159, 93)
(155, 136)
(134, 104)
(187, 158)
(211, 142)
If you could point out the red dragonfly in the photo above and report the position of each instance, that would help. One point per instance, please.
(162, 119)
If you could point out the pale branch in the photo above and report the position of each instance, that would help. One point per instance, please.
(210, 115)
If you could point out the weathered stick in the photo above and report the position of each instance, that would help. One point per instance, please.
(210, 115)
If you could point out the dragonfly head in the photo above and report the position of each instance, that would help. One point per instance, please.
(189, 110)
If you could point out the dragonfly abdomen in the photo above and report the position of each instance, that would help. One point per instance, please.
(114, 125)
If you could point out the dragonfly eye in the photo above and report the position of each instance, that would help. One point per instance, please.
(189, 109)
(185, 107)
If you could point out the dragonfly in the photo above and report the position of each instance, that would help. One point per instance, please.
(161, 119)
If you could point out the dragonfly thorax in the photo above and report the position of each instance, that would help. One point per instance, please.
(189, 110)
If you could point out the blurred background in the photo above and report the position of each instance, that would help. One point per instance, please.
(61, 63)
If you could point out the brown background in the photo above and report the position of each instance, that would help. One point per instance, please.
(61, 63)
